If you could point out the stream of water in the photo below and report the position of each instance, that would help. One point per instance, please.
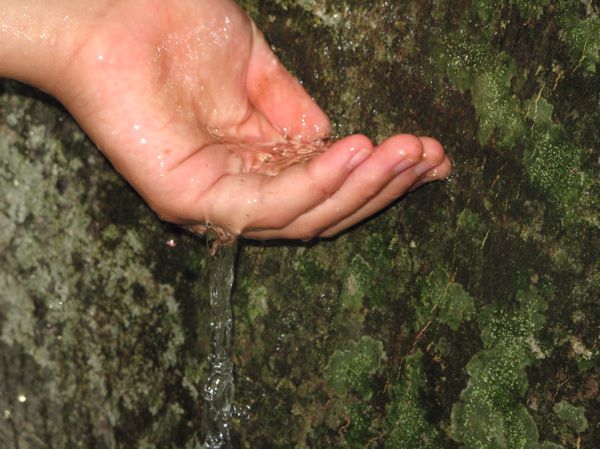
(219, 387)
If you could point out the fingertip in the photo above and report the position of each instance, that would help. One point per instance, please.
(352, 144)
(444, 170)
(356, 141)
(432, 150)
(343, 156)
(438, 173)
(407, 146)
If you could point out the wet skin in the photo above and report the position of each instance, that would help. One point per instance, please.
(191, 106)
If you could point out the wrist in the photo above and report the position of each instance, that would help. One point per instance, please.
(39, 38)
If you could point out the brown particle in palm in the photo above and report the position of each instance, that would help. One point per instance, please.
(269, 160)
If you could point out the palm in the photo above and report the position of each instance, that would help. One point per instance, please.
(188, 102)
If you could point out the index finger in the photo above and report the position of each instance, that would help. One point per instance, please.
(256, 201)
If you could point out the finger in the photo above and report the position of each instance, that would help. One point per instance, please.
(394, 156)
(255, 201)
(395, 184)
(438, 173)
(433, 156)
(280, 97)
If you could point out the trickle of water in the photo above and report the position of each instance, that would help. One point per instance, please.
(219, 388)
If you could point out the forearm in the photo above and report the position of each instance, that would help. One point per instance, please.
(38, 37)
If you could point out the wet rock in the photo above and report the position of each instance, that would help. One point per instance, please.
(482, 290)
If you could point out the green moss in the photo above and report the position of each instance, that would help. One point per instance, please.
(378, 274)
(467, 59)
(257, 306)
(571, 416)
(583, 39)
(406, 425)
(462, 56)
(350, 371)
(498, 110)
(549, 445)
(540, 111)
(514, 327)
(361, 424)
(588, 360)
(488, 9)
(356, 284)
(444, 299)
(489, 414)
(485, 9)
(531, 9)
(554, 164)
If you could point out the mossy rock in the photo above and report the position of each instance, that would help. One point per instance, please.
(481, 291)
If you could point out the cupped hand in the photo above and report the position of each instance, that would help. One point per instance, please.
(191, 106)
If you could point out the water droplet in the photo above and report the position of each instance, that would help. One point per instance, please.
(242, 412)
(219, 388)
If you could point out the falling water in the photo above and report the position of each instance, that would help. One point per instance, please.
(219, 388)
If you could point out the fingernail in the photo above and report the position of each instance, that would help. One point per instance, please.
(422, 168)
(406, 163)
(358, 158)
(431, 173)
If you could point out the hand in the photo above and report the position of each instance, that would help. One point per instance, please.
(191, 106)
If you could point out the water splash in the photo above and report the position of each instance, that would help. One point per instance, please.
(219, 388)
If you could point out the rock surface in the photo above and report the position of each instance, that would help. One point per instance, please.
(466, 316)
